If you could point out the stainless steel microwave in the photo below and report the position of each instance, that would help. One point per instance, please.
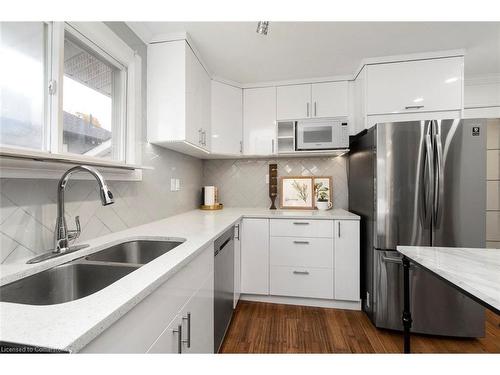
(321, 134)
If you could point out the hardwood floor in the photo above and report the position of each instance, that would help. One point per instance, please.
(271, 328)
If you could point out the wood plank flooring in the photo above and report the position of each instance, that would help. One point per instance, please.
(272, 328)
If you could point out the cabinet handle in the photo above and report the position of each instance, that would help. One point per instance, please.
(237, 229)
(200, 139)
(188, 341)
(301, 272)
(315, 112)
(179, 338)
(204, 133)
(414, 106)
(300, 223)
(339, 228)
(241, 147)
(301, 242)
(307, 109)
(272, 146)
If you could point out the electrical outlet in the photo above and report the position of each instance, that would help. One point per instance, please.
(177, 184)
(172, 184)
(267, 179)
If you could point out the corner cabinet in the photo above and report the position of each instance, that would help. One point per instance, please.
(259, 121)
(179, 92)
(227, 119)
(176, 318)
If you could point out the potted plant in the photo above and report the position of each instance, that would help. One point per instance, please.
(322, 202)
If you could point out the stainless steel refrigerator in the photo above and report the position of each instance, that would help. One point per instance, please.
(419, 183)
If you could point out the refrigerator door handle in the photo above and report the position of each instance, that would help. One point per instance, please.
(428, 181)
(439, 180)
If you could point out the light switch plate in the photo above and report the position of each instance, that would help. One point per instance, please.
(172, 184)
(177, 184)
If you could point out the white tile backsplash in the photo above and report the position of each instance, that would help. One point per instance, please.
(242, 182)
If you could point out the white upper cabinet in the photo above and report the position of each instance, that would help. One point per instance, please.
(259, 121)
(227, 119)
(293, 102)
(178, 97)
(330, 99)
(415, 86)
(326, 99)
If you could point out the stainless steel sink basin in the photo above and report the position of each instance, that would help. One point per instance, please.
(63, 283)
(134, 252)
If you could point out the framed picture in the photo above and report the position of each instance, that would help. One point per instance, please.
(297, 192)
(323, 188)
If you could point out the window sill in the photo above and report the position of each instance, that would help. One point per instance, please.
(33, 164)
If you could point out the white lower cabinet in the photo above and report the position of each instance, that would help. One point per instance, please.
(301, 258)
(149, 326)
(346, 260)
(255, 256)
(170, 340)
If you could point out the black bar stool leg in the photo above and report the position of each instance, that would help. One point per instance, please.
(406, 308)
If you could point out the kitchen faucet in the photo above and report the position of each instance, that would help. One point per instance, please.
(62, 236)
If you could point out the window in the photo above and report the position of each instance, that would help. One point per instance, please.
(64, 91)
(22, 84)
(92, 97)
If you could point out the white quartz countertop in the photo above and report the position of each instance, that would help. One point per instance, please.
(475, 271)
(72, 325)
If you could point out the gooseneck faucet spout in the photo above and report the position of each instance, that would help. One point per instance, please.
(62, 235)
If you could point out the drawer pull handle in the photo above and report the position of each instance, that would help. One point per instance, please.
(301, 223)
(414, 107)
(301, 242)
(301, 272)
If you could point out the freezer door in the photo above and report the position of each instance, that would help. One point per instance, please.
(436, 308)
(403, 184)
(460, 183)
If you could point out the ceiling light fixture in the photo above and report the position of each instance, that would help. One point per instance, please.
(262, 27)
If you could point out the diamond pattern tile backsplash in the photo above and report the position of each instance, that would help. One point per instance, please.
(28, 207)
(242, 182)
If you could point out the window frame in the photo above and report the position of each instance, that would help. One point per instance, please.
(106, 44)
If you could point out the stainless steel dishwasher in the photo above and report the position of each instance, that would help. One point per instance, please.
(223, 285)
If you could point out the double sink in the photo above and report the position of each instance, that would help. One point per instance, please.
(85, 276)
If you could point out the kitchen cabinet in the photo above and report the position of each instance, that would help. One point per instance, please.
(325, 99)
(179, 92)
(227, 119)
(259, 121)
(293, 102)
(237, 263)
(198, 320)
(346, 260)
(255, 256)
(415, 86)
(330, 99)
(149, 325)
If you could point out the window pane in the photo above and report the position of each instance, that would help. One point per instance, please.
(22, 77)
(91, 98)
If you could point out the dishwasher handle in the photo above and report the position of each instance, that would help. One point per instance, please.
(224, 244)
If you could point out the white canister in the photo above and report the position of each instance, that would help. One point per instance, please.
(209, 195)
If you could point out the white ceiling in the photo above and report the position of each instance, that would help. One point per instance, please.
(295, 50)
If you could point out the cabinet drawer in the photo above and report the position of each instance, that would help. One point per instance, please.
(305, 252)
(301, 228)
(301, 282)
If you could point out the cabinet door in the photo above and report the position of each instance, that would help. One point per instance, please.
(198, 320)
(255, 256)
(194, 99)
(294, 102)
(330, 99)
(259, 121)
(415, 86)
(237, 264)
(170, 339)
(227, 119)
(346, 264)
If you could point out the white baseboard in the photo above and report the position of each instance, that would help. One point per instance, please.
(335, 304)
